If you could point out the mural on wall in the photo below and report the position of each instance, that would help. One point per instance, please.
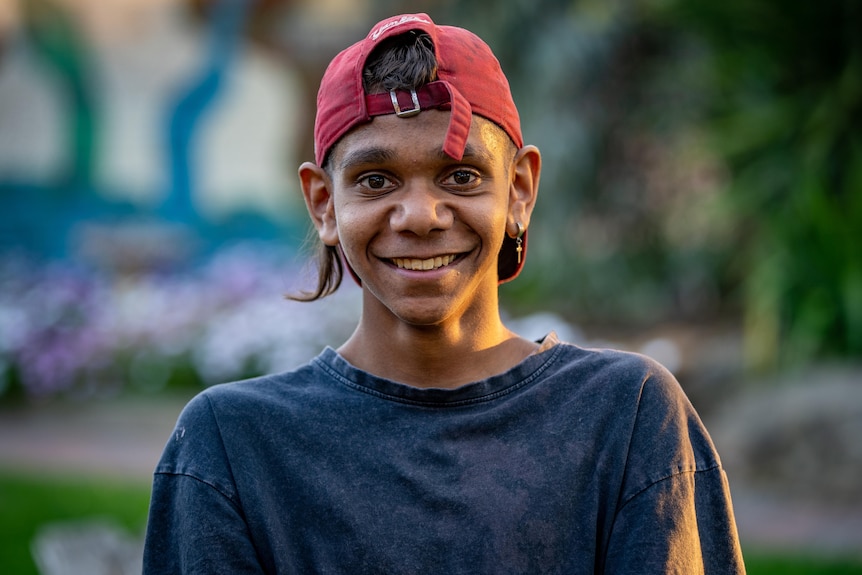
(144, 127)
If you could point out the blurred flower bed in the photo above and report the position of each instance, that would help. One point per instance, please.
(66, 329)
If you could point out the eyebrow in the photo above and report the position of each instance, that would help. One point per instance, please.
(471, 153)
(379, 155)
(366, 156)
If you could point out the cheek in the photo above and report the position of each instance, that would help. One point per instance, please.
(500, 225)
(354, 225)
(493, 218)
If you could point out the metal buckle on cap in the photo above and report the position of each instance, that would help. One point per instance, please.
(405, 113)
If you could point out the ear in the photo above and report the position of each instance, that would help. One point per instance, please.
(317, 191)
(523, 187)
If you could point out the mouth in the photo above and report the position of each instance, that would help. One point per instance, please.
(414, 264)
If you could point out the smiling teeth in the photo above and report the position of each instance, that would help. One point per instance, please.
(424, 265)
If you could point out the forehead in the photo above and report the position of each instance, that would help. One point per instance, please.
(422, 135)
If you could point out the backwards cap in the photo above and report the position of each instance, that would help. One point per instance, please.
(469, 81)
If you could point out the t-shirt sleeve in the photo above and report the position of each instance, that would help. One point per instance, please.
(196, 525)
(681, 525)
(674, 515)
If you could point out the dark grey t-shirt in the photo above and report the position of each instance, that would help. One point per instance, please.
(575, 461)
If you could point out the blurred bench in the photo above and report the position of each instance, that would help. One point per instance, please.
(92, 547)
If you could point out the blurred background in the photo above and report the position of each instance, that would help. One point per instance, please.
(701, 202)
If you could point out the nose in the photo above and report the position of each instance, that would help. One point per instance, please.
(420, 209)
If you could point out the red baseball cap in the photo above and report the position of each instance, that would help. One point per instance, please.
(469, 81)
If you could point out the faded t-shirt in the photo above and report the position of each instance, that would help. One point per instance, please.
(575, 461)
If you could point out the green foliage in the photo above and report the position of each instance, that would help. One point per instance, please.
(786, 114)
(28, 502)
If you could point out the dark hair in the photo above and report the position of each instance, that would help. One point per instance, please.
(403, 62)
(330, 272)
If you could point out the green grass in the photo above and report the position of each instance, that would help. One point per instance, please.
(760, 563)
(29, 501)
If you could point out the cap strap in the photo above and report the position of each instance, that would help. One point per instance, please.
(459, 124)
(438, 94)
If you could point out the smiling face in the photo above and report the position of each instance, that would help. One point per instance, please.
(420, 229)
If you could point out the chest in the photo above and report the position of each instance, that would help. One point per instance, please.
(446, 492)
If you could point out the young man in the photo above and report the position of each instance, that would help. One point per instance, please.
(435, 440)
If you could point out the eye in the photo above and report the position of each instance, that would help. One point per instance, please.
(376, 182)
(462, 178)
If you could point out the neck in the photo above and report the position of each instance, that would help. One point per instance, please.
(445, 356)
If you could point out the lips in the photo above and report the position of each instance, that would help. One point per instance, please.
(424, 265)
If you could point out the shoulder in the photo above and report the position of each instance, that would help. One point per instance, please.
(636, 381)
(255, 394)
(613, 372)
(240, 406)
(223, 412)
(616, 390)
(644, 400)
(662, 434)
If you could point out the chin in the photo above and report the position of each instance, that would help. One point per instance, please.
(420, 319)
(419, 315)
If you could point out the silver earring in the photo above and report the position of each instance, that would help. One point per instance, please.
(519, 242)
